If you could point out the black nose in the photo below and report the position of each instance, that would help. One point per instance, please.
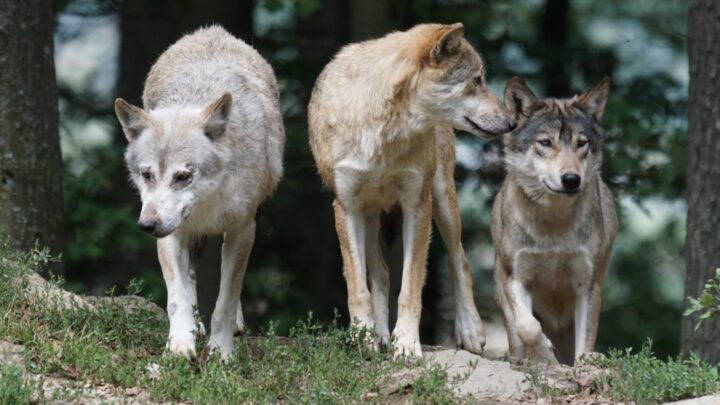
(512, 124)
(147, 226)
(570, 181)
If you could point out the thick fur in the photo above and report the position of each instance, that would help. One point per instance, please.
(204, 153)
(381, 118)
(553, 238)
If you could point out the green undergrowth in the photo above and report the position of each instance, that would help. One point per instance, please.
(643, 378)
(107, 344)
(14, 388)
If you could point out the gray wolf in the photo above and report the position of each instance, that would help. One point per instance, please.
(204, 152)
(553, 224)
(381, 120)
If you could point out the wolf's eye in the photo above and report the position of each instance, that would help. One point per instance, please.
(182, 177)
(581, 143)
(545, 142)
(478, 81)
(146, 174)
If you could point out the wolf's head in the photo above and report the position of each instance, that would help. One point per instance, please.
(449, 78)
(173, 159)
(557, 148)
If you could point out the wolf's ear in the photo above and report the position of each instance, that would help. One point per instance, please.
(593, 101)
(448, 43)
(519, 99)
(133, 119)
(217, 115)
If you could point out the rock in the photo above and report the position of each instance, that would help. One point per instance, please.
(130, 303)
(479, 377)
(39, 291)
(706, 400)
(11, 354)
(398, 381)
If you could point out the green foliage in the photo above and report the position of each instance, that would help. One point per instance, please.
(14, 388)
(644, 379)
(96, 226)
(708, 303)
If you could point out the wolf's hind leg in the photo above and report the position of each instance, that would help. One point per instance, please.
(469, 332)
(235, 254)
(528, 328)
(174, 257)
(379, 277)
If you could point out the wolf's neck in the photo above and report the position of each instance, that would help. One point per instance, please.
(408, 119)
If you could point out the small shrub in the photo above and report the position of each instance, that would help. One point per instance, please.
(708, 303)
(645, 379)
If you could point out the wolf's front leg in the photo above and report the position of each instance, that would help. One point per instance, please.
(417, 210)
(582, 306)
(235, 254)
(469, 332)
(182, 297)
(528, 328)
(350, 226)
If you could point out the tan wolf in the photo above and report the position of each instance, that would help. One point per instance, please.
(553, 224)
(203, 163)
(381, 122)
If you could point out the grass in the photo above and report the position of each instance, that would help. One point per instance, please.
(14, 388)
(645, 379)
(315, 364)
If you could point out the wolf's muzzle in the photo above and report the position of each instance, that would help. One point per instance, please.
(147, 226)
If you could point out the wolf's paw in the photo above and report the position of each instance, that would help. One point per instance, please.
(469, 331)
(406, 345)
(220, 345)
(182, 345)
(543, 351)
(530, 333)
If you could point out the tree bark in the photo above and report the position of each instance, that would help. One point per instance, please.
(31, 196)
(703, 171)
(554, 32)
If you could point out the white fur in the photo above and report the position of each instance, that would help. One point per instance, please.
(186, 94)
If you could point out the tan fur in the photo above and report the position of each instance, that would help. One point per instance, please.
(381, 118)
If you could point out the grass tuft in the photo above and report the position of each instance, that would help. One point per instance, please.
(14, 389)
(645, 379)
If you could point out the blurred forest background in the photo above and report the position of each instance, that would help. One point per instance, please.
(104, 49)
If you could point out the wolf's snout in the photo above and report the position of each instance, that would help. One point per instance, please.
(571, 181)
(147, 226)
(512, 124)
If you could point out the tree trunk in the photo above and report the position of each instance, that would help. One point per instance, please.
(31, 199)
(703, 171)
(554, 32)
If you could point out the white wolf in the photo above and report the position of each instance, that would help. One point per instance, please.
(202, 165)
